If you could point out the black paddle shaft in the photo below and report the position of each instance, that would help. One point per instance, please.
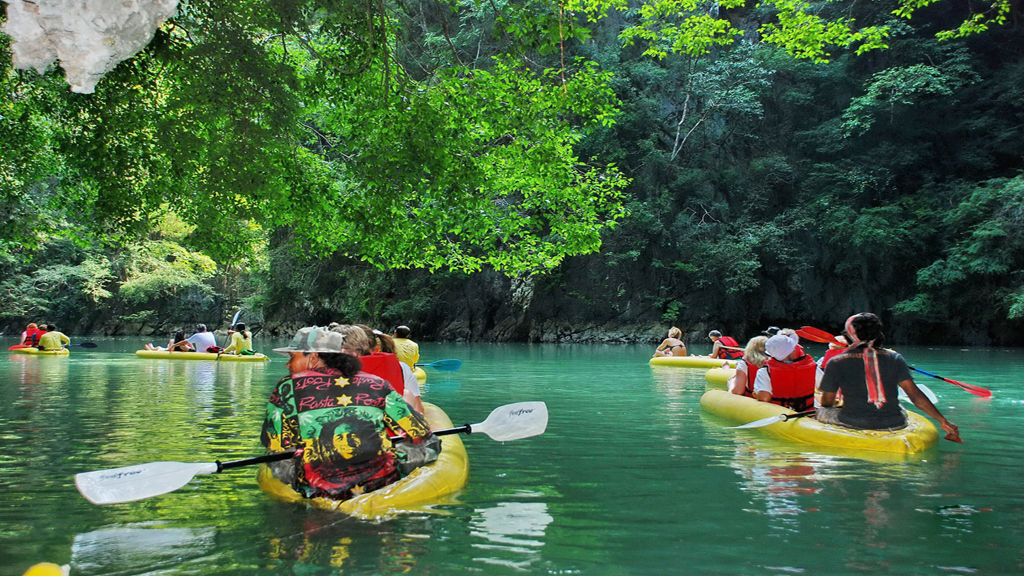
(457, 430)
(221, 466)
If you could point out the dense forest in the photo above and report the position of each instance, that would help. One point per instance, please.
(532, 171)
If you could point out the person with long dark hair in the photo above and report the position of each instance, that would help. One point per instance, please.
(869, 378)
(241, 341)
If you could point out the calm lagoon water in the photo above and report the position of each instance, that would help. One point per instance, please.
(630, 478)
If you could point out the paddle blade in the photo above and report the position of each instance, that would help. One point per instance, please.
(235, 319)
(818, 335)
(130, 483)
(448, 365)
(87, 345)
(760, 423)
(515, 421)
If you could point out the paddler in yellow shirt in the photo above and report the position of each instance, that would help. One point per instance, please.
(53, 339)
(406, 350)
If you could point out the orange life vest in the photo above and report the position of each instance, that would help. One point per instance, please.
(725, 353)
(386, 366)
(792, 382)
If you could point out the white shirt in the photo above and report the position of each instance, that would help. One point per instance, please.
(203, 340)
(412, 385)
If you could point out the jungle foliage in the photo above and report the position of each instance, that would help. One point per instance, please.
(735, 164)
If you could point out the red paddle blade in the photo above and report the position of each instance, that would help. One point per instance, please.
(818, 335)
(976, 390)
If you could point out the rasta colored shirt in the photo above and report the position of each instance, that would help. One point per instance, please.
(341, 425)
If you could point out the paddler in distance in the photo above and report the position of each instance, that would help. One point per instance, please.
(725, 347)
(869, 378)
(338, 415)
(53, 339)
(406, 350)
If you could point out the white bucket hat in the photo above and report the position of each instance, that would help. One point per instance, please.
(781, 346)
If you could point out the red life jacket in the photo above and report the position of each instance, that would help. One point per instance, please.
(725, 352)
(32, 336)
(386, 366)
(830, 354)
(793, 382)
(751, 376)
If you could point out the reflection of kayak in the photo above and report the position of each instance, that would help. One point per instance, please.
(426, 484)
(690, 362)
(718, 378)
(165, 355)
(38, 352)
(919, 435)
(420, 373)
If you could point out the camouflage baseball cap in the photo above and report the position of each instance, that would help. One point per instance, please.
(314, 339)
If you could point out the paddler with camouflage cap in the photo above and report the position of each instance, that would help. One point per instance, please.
(338, 416)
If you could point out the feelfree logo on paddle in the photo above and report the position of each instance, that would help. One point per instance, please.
(520, 412)
(120, 475)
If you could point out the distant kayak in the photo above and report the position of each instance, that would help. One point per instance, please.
(690, 362)
(426, 484)
(38, 352)
(718, 378)
(165, 355)
(919, 435)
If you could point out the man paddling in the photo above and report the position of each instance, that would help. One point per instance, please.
(869, 378)
(725, 347)
(53, 339)
(406, 350)
(338, 415)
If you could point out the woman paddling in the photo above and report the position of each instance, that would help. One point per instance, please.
(241, 341)
(338, 416)
(869, 378)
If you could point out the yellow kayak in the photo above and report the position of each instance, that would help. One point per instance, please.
(38, 352)
(718, 378)
(420, 373)
(426, 483)
(690, 362)
(919, 435)
(165, 355)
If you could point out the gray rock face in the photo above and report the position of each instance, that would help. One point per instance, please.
(88, 37)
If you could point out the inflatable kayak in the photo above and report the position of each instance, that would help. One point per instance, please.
(690, 362)
(165, 355)
(428, 483)
(420, 373)
(38, 352)
(919, 435)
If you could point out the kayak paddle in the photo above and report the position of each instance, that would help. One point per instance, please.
(976, 390)
(83, 345)
(448, 365)
(818, 335)
(772, 420)
(130, 483)
(505, 423)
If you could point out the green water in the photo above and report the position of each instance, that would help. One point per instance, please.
(630, 477)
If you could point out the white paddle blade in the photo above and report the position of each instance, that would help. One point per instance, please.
(760, 423)
(924, 389)
(515, 421)
(131, 483)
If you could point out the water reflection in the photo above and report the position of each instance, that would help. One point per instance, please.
(514, 533)
(139, 548)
